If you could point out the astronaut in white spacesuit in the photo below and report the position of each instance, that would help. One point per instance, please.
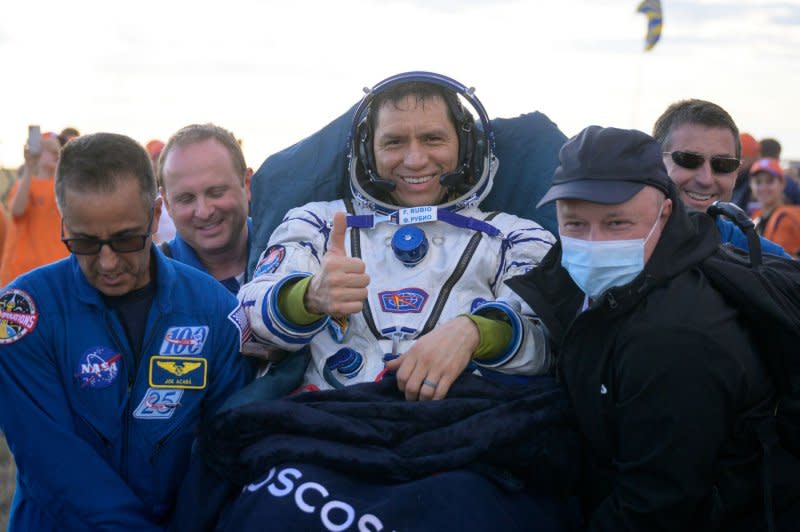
(407, 275)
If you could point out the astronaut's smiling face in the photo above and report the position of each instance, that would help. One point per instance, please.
(415, 142)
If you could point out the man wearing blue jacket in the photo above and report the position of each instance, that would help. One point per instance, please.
(702, 152)
(110, 358)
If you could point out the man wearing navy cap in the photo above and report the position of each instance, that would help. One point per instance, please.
(665, 382)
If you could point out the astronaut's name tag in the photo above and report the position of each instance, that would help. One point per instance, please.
(417, 215)
(179, 372)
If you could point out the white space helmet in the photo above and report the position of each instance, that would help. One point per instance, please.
(467, 185)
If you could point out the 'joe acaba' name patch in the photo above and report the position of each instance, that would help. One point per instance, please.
(180, 372)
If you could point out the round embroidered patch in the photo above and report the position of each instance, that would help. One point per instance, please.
(272, 259)
(98, 367)
(18, 315)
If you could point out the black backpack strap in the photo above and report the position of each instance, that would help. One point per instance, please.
(740, 218)
(768, 437)
(164, 247)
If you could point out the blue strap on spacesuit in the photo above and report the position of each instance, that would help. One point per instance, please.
(409, 217)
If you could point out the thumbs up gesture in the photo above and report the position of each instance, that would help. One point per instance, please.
(340, 287)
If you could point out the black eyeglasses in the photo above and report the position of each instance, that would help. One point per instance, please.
(690, 160)
(118, 244)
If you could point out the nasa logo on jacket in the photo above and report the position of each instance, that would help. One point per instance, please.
(98, 367)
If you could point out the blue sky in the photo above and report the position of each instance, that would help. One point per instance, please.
(274, 71)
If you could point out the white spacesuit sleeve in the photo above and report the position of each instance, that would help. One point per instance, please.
(528, 353)
(295, 250)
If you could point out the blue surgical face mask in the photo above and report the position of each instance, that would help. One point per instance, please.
(596, 266)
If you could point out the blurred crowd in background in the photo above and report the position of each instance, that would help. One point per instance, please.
(767, 187)
(30, 224)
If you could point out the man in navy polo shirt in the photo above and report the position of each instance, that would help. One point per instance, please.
(206, 190)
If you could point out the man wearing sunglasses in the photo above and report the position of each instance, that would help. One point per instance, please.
(702, 152)
(110, 358)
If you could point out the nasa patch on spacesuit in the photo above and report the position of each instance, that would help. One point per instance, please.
(272, 258)
(18, 315)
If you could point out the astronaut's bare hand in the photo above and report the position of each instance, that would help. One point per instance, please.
(428, 369)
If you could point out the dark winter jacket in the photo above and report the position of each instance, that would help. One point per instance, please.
(667, 388)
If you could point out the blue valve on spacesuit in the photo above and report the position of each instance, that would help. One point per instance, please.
(346, 362)
(410, 245)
